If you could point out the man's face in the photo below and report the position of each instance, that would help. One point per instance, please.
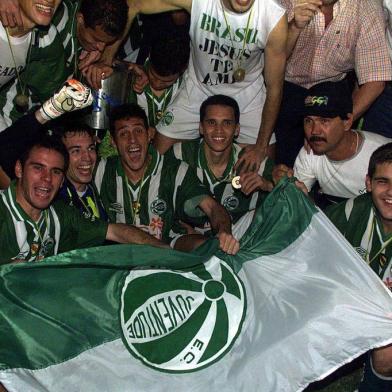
(92, 38)
(219, 127)
(324, 134)
(158, 82)
(381, 187)
(239, 6)
(131, 140)
(38, 12)
(39, 179)
(82, 158)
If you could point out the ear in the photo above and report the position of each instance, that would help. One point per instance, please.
(237, 130)
(201, 130)
(349, 122)
(151, 133)
(80, 18)
(18, 169)
(368, 183)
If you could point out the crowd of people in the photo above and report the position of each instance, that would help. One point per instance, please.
(227, 98)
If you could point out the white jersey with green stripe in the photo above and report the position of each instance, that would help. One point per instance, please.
(235, 202)
(50, 62)
(60, 228)
(359, 222)
(155, 106)
(170, 191)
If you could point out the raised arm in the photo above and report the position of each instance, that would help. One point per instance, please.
(275, 62)
(143, 7)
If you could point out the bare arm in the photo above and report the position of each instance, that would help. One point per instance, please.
(125, 234)
(304, 11)
(364, 96)
(275, 62)
(143, 7)
(221, 224)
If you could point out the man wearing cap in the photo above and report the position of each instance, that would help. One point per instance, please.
(339, 154)
(327, 40)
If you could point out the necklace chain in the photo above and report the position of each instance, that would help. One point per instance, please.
(382, 246)
(341, 164)
(14, 61)
(229, 176)
(239, 60)
(135, 205)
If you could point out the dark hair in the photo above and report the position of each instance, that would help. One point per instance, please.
(170, 54)
(110, 15)
(130, 110)
(70, 124)
(382, 155)
(50, 142)
(222, 100)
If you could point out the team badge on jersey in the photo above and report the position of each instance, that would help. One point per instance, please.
(167, 118)
(181, 322)
(231, 203)
(158, 207)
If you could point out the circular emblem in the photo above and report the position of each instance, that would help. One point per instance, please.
(178, 321)
(231, 203)
(167, 118)
(158, 206)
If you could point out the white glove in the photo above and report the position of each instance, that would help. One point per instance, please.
(74, 95)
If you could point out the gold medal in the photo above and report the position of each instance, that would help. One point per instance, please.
(235, 182)
(239, 75)
(135, 208)
(34, 248)
(22, 102)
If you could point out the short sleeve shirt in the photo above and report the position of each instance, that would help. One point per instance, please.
(170, 191)
(235, 202)
(60, 228)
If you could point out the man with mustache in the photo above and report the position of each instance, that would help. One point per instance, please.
(327, 40)
(339, 155)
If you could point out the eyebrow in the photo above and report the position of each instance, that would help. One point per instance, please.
(381, 178)
(42, 165)
(79, 146)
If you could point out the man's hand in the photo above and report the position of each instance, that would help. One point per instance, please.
(228, 243)
(280, 171)
(74, 95)
(87, 58)
(302, 187)
(95, 73)
(252, 181)
(139, 77)
(10, 13)
(304, 10)
(250, 159)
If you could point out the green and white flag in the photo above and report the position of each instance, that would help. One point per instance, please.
(295, 304)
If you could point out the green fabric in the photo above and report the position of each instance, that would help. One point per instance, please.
(85, 284)
(51, 61)
(75, 230)
(355, 229)
(160, 185)
(235, 202)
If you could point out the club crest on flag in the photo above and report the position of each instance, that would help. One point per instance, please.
(193, 317)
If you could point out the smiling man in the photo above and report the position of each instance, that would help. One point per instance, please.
(215, 156)
(339, 155)
(15, 42)
(366, 222)
(78, 189)
(33, 228)
(77, 27)
(143, 188)
(238, 49)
